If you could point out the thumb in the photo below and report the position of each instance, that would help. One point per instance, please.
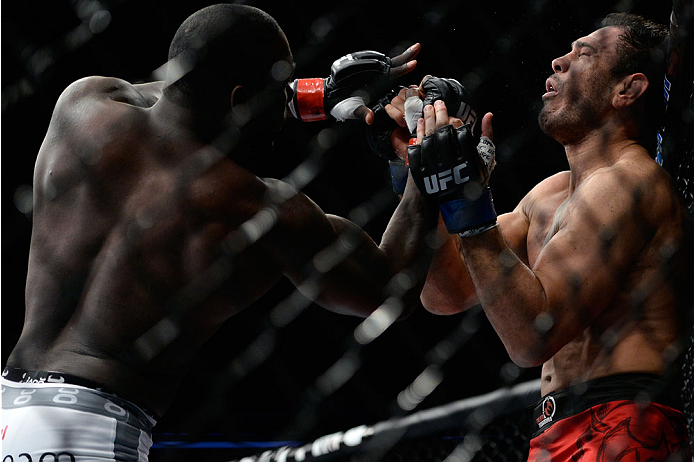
(364, 113)
(487, 129)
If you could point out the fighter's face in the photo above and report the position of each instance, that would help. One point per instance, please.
(282, 73)
(270, 97)
(288, 63)
(579, 93)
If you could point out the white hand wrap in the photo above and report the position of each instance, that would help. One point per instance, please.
(487, 152)
(413, 112)
(344, 110)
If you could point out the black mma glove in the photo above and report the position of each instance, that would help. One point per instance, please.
(447, 168)
(378, 136)
(457, 98)
(354, 79)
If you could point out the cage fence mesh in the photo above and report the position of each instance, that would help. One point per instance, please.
(489, 428)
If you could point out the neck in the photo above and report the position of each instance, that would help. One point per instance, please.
(204, 126)
(171, 115)
(599, 148)
(180, 125)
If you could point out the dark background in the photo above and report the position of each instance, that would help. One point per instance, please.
(500, 50)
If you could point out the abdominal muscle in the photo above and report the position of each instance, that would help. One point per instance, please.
(584, 359)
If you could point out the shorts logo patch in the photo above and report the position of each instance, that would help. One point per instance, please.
(549, 407)
(57, 379)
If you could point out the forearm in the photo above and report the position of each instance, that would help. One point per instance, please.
(448, 288)
(512, 296)
(409, 239)
(408, 245)
(359, 274)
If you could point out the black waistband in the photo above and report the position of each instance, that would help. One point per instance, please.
(577, 398)
(18, 375)
(15, 374)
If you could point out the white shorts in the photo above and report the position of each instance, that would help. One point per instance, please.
(48, 422)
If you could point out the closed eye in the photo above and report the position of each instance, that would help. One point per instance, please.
(582, 48)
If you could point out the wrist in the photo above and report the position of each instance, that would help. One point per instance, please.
(464, 215)
(476, 231)
(307, 104)
(398, 174)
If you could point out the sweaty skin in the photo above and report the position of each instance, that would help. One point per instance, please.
(575, 277)
(132, 221)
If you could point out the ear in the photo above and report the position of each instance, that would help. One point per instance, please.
(630, 89)
(239, 95)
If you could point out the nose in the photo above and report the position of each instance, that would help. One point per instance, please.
(560, 64)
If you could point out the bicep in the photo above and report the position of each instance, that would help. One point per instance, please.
(514, 228)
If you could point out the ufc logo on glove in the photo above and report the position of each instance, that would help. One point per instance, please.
(439, 182)
(443, 166)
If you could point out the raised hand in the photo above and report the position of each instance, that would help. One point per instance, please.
(447, 168)
(355, 80)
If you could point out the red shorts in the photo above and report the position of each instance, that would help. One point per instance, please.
(623, 431)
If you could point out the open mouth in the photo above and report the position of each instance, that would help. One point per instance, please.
(550, 89)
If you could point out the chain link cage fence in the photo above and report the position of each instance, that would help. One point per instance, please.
(285, 380)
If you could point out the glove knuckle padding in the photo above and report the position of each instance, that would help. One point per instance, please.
(360, 68)
(451, 153)
(457, 98)
(364, 71)
(452, 145)
(370, 54)
(355, 72)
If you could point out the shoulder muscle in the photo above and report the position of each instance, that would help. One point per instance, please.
(109, 89)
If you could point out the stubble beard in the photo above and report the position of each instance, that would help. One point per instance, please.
(576, 117)
(572, 123)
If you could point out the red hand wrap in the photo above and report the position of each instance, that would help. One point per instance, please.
(309, 99)
(412, 142)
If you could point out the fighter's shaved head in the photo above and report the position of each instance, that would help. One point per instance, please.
(222, 46)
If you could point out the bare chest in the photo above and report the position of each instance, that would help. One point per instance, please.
(548, 216)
